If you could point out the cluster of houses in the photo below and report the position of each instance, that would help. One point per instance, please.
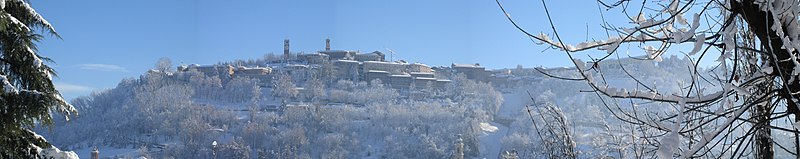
(349, 65)
(368, 67)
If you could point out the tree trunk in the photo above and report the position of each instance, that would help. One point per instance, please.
(763, 133)
(759, 22)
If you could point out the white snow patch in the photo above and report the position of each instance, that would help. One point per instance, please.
(698, 44)
(7, 87)
(55, 153)
(488, 127)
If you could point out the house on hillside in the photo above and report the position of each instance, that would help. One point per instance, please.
(401, 81)
(348, 70)
(315, 58)
(371, 75)
(209, 70)
(424, 82)
(374, 56)
(391, 67)
(262, 74)
(472, 71)
(339, 54)
(422, 74)
(419, 67)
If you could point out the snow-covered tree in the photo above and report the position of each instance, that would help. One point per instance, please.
(732, 110)
(271, 57)
(327, 72)
(242, 90)
(28, 96)
(235, 149)
(164, 64)
(206, 87)
(193, 133)
(284, 87)
(315, 89)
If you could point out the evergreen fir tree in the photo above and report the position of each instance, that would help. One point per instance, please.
(27, 94)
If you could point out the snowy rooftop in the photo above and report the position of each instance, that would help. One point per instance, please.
(426, 78)
(503, 75)
(404, 75)
(417, 63)
(382, 62)
(296, 66)
(338, 51)
(376, 71)
(466, 65)
(347, 61)
(315, 54)
(251, 68)
(421, 73)
(201, 66)
(372, 53)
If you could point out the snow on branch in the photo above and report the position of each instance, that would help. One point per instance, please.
(8, 88)
(36, 20)
(655, 96)
(17, 23)
(52, 151)
(609, 44)
(636, 35)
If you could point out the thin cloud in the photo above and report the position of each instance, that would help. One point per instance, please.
(103, 67)
(72, 88)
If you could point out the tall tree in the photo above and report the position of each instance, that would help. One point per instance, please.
(284, 87)
(755, 44)
(28, 96)
(315, 89)
(164, 64)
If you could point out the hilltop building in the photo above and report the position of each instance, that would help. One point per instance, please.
(340, 54)
(348, 69)
(209, 70)
(262, 74)
(419, 67)
(472, 71)
(286, 49)
(391, 67)
(327, 44)
(315, 58)
(374, 56)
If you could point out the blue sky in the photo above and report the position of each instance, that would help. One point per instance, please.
(106, 41)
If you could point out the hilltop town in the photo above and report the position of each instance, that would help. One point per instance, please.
(335, 104)
(408, 78)
(349, 65)
(354, 66)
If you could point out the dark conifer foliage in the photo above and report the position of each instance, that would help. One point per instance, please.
(28, 96)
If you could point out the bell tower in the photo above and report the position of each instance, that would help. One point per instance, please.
(95, 153)
(286, 49)
(328, 44)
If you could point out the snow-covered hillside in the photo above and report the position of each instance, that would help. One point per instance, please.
(181, 113)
